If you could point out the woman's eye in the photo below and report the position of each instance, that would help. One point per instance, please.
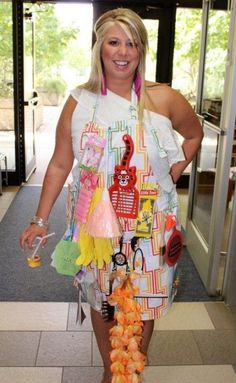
(113, 42)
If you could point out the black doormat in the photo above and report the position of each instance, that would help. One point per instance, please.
(191, 287)
(18, 282)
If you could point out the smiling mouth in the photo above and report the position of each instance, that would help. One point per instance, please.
(121, 63)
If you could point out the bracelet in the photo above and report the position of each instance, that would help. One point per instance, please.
(40, 222)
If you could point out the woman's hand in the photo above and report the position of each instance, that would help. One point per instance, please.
(57, 172)
(29, 234)
(177, 170)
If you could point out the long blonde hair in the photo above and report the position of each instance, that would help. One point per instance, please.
(130, 21)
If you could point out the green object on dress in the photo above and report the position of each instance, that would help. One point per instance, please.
(65, 255)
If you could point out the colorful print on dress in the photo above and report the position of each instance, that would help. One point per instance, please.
(123, 193)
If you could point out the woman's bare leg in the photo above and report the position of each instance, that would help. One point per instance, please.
(101, 330)
(147, 334)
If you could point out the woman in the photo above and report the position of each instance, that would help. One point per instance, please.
(137, 120)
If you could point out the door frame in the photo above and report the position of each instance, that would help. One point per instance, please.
(17, 177)
(229, 286)
(22, 170)
(206, 257)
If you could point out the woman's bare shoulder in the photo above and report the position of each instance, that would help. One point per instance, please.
(67, 110)
(163, 93)
(159, 96)
(157, 87)
(151, 85)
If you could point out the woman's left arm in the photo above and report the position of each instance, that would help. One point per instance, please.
(186, 123)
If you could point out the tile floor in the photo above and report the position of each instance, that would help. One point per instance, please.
(41, 342)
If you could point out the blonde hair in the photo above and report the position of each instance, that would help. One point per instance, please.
(133, 24)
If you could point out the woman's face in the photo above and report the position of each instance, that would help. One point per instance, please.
(120, 56)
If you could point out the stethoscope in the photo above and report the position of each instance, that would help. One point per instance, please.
(138, 253)
(120, 258)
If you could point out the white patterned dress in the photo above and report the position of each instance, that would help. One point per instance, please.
(156, 148)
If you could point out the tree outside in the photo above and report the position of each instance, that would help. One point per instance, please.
(152, 29)
(6, 52)
(216, 54)
(187, 51)
(58, 53)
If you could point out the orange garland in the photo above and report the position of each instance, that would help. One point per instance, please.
(126, 336)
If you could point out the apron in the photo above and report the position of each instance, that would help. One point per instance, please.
(132, 153)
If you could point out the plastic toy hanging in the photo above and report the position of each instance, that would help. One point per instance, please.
(123, 193)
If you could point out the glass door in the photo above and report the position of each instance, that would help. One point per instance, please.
(186, 62)
(30, 94)
(210, 177)
(7, 132)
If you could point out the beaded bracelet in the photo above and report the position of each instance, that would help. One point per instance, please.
(40, 222)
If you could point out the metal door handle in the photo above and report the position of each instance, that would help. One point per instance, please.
(32, 101)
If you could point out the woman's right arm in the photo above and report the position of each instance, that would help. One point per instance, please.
(57, 172)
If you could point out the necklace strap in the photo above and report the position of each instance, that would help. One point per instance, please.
(133, 104)
(94, 109)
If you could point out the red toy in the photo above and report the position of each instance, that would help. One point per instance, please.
(123, 194)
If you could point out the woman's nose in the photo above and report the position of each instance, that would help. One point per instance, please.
(123, 49)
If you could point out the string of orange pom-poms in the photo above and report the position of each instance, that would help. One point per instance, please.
(127, 360)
